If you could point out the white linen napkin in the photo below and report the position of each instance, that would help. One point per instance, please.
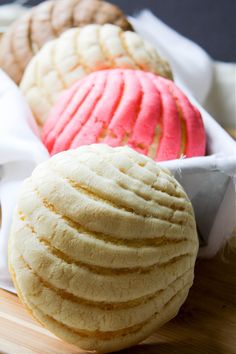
(221, 100)
(21, 149)
(212, 84)
(191, 65)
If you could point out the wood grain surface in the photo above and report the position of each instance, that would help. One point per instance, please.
(206, 323)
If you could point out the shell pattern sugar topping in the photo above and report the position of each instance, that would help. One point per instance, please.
(78, 52)
(46, 22)
(126, 107)
(103, 246)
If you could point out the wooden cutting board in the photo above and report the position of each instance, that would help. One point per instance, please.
(206, 323)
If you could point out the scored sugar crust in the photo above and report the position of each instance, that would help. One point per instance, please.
(103, 246)
(126, 107)
(77, 53)
(47, 21)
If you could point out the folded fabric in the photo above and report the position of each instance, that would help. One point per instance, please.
(20, 151)
(221, 99)
(191, 65)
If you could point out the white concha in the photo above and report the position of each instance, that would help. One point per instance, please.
(103, 246)
(78, 52)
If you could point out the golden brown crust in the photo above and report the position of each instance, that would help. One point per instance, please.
(46, 22)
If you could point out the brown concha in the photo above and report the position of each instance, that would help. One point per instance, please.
(46, 22)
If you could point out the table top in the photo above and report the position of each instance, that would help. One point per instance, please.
(206, 323)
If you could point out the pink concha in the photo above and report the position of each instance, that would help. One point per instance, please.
(126, 107)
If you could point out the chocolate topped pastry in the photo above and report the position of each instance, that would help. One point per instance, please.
(46, 22)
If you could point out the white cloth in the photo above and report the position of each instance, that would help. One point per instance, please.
(221, 100)
(191, 65)
(209, 181)
(20, 151)
(212, 84)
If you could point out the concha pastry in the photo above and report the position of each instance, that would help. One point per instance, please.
(126, 107)
(103, 246)
(78, 52)
(46, 22)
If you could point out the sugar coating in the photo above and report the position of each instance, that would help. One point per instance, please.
(78, 52)
(103, 246)
(47, 21)
(126, 107)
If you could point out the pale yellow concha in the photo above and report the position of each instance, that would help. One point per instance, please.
(103, 246)
(80, 51)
